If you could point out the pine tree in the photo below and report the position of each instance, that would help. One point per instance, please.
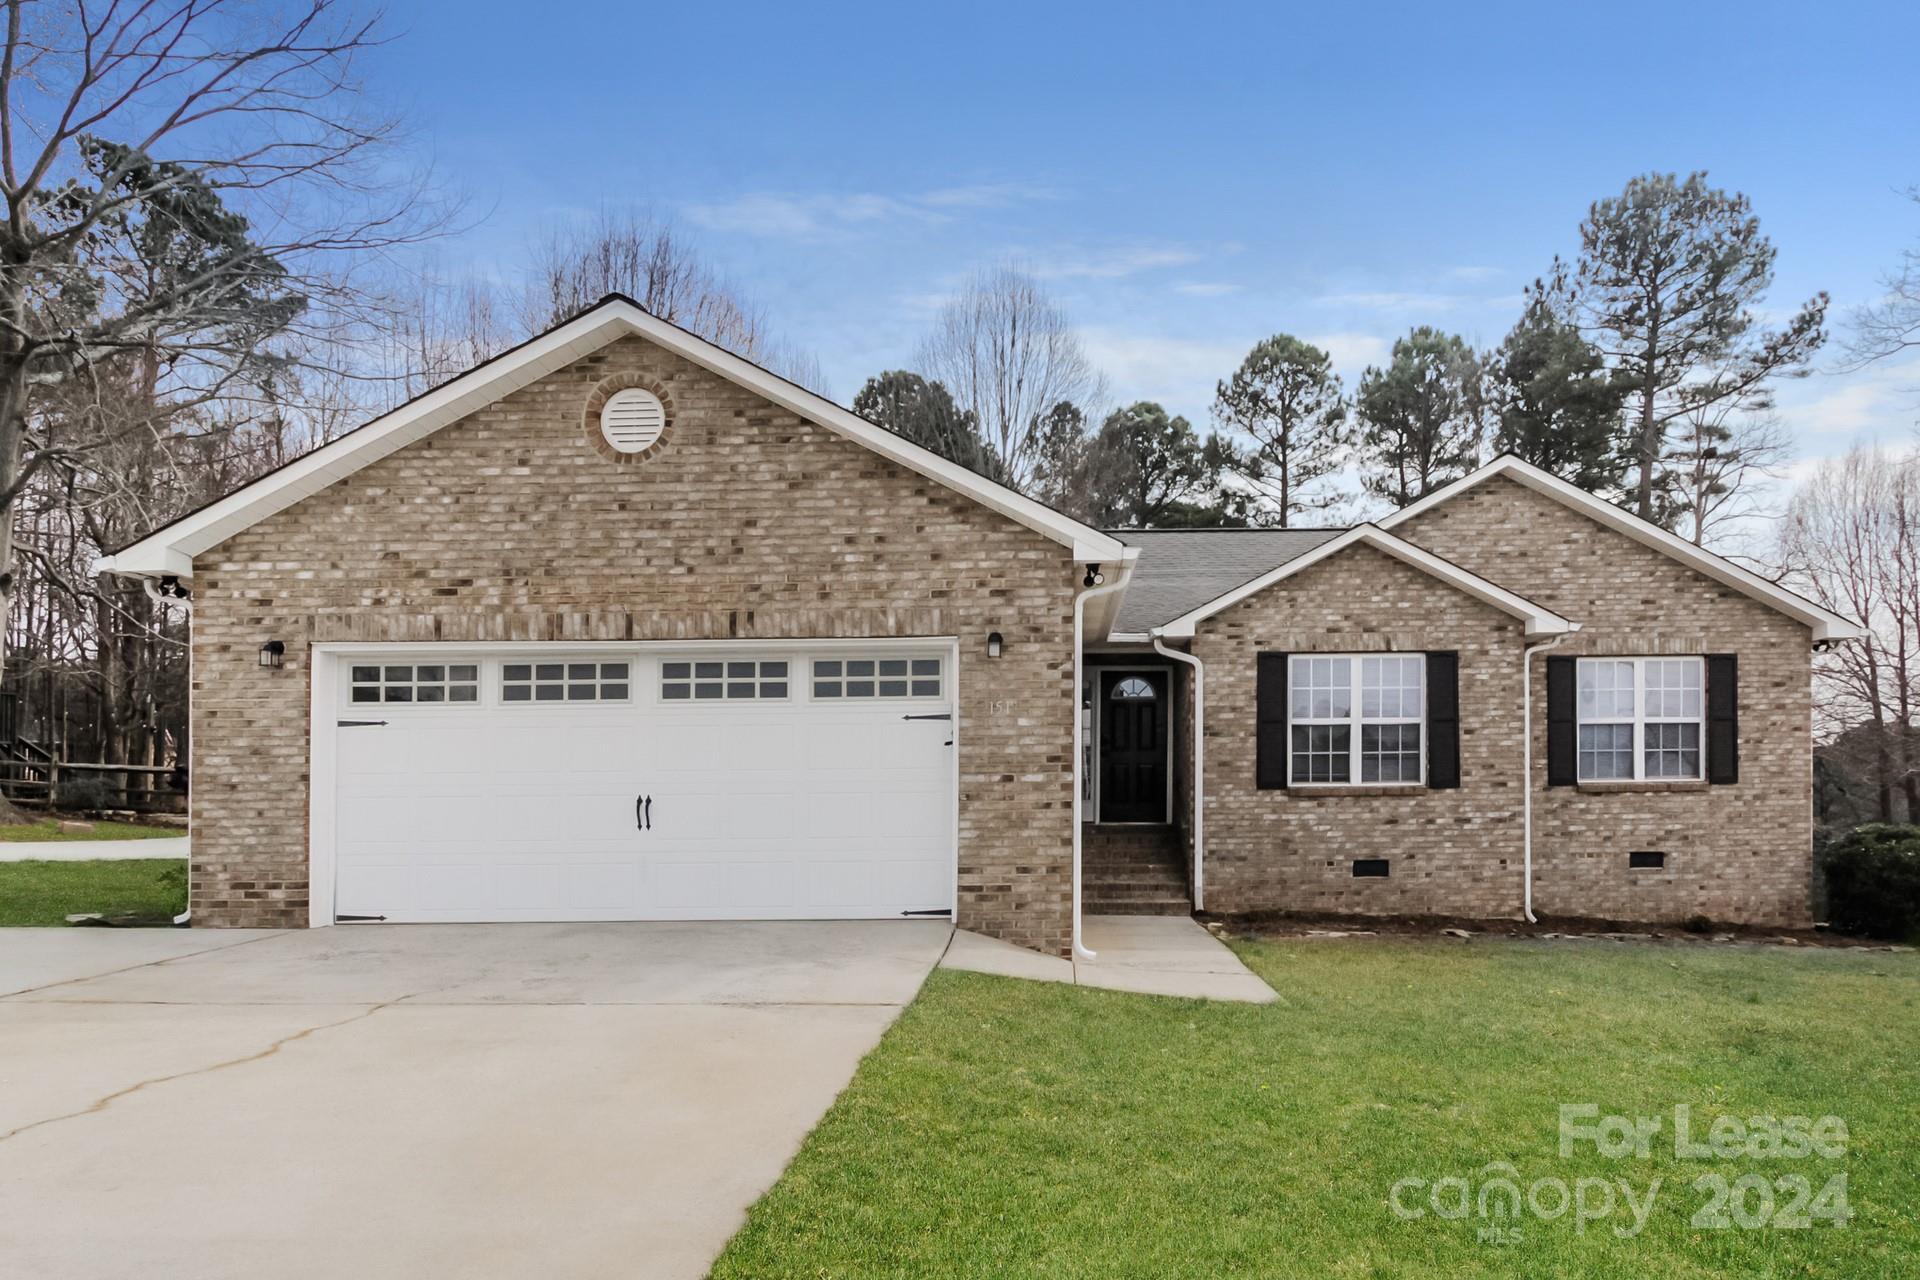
(1558, 405)
(1286, 399)
(1422, 418)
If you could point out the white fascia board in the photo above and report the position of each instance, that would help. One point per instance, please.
(1827, 626)
(1539, 621)
(170, 551)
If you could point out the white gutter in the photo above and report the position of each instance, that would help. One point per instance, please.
(1526, 772)
(1199, 764)
(1079, 736)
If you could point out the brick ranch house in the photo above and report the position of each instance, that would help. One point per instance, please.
(620, 626)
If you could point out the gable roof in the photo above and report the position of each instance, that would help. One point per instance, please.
(1181, 569)
(1539, 621)
(1827, 626)
(170, 549)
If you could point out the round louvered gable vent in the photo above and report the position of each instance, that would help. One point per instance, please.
(632, 420)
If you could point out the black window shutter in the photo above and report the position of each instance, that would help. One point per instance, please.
(1723, 718)
(1563, 764)
(1443, 718)
(1270, 741)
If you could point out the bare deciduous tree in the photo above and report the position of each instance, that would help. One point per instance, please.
(1009, 354)
(1851, 539)
(1891, 325)
(1721, 458)
(649, 261)
(184, 184)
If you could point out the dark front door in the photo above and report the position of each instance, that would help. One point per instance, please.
(1133, 746)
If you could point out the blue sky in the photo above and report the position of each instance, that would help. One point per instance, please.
(1186, 179)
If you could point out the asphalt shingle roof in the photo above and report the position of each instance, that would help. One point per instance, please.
(1181, 569)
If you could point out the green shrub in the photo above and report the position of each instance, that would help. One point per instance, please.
(1873, 880)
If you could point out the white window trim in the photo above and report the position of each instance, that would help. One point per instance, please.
(1354, 720)
(1641, 719)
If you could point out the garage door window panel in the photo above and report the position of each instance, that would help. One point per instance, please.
(413, 683)
(576, 682)
(868, 679)
(724, 680)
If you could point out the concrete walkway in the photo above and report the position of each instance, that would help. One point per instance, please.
(88, 850)
(1153, 955)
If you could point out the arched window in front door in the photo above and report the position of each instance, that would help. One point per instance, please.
(1134, 689)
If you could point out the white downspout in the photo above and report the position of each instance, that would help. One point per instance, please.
(1526, 773)
(1079, 739)
(1199, 763)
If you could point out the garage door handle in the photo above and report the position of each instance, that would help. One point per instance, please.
(649, 813)
(639, 815)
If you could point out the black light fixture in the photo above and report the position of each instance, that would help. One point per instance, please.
(994, 644)
(273, 654)
(1094, 577)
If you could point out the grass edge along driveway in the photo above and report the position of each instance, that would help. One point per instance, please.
(41, 892)
(1010, 1129)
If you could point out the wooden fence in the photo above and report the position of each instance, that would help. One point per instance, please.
(63, 784)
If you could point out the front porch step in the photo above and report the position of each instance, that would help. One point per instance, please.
(1134, 871)
(1138, 906)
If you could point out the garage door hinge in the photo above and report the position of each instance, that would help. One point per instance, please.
(355, 919)
(938, 911)
(357, 724)
(944, 715)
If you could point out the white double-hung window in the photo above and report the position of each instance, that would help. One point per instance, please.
(1356, 718)
(1641, 718)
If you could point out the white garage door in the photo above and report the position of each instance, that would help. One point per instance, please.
(763, 783)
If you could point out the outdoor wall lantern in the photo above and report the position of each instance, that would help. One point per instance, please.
(994, 644)
(273, 654)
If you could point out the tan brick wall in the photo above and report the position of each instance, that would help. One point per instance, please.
(1736, 853)
(1452, 851)
(1741, 852)
(750, 522)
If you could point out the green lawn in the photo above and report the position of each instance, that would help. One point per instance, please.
(48, 829)
(45, 893)
(1014, 1129)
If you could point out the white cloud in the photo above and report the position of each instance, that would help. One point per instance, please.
(986, 195)
(1391, 300)
(1882, 397)
(1105, 264)
(1179, 372)
(1353, 352)
(816, 216)
(1206, 288)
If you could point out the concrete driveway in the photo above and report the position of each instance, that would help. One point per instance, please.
(425, 1100)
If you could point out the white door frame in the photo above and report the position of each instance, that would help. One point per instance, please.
(324, 709)
(1099, 704)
